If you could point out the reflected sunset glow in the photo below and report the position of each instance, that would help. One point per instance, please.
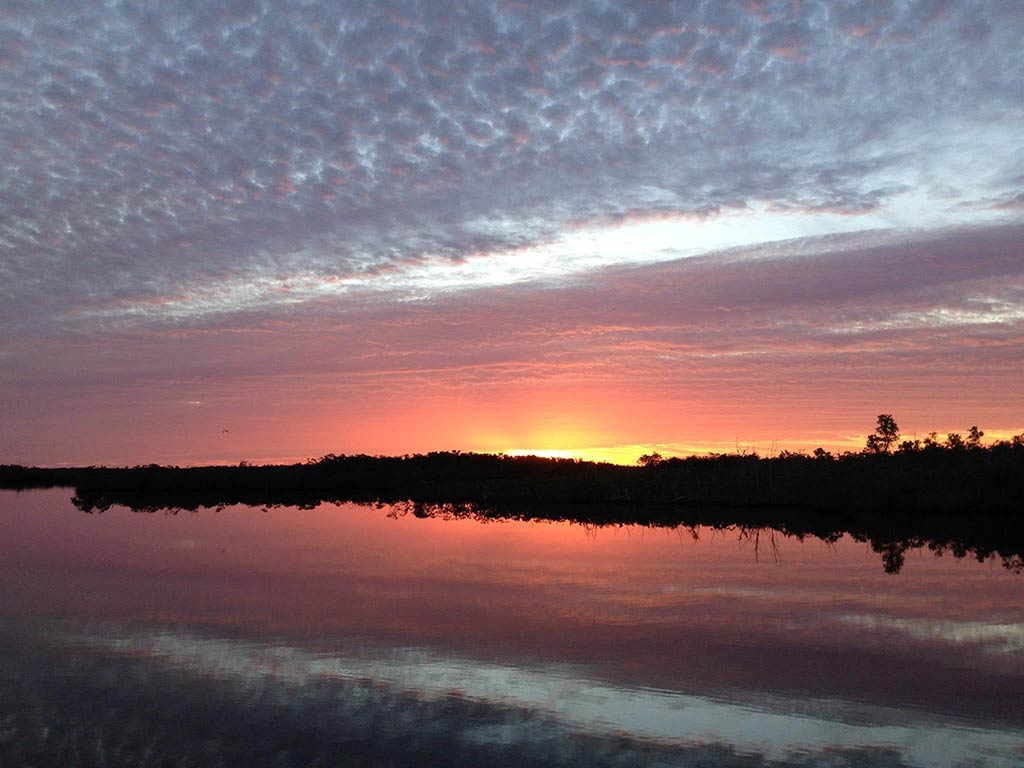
(751, 641)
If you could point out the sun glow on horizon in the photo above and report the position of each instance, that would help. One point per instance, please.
(625, 455)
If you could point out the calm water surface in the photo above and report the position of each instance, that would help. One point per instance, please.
(345, 636)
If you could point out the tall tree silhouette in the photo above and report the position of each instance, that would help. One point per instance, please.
(886, 435)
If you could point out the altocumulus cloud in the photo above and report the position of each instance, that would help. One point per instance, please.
(168, 160)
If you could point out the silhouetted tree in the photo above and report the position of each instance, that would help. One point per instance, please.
(974, 437)
(886, 435)
(650, 459)
(954, 441)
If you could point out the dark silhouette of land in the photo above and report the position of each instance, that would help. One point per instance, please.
(957, 495)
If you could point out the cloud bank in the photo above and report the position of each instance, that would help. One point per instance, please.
(150, 149)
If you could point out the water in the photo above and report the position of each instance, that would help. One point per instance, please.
(345, 635)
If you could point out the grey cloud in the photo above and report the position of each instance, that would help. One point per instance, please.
(151, 147)
(916, 303)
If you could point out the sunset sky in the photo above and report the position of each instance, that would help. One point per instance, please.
(273, 230)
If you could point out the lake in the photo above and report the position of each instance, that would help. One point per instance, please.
(357, 635)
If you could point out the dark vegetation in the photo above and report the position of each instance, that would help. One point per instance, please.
(955, 495)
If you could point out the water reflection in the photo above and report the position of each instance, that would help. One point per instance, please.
(339, 635)
(1000, 537)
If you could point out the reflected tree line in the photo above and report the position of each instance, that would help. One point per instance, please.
(891, 538)
(954, 495)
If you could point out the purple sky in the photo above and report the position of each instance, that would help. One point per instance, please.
(592, 228)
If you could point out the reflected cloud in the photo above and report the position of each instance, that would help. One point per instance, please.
(524, 706)
(544, 643)
(1005, 638)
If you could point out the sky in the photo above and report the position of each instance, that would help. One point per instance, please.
(268, 231)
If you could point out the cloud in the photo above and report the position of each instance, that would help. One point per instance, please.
(810, 335)
(150, 148)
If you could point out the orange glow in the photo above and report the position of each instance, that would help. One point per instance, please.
(539, 385)
(597, 421)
